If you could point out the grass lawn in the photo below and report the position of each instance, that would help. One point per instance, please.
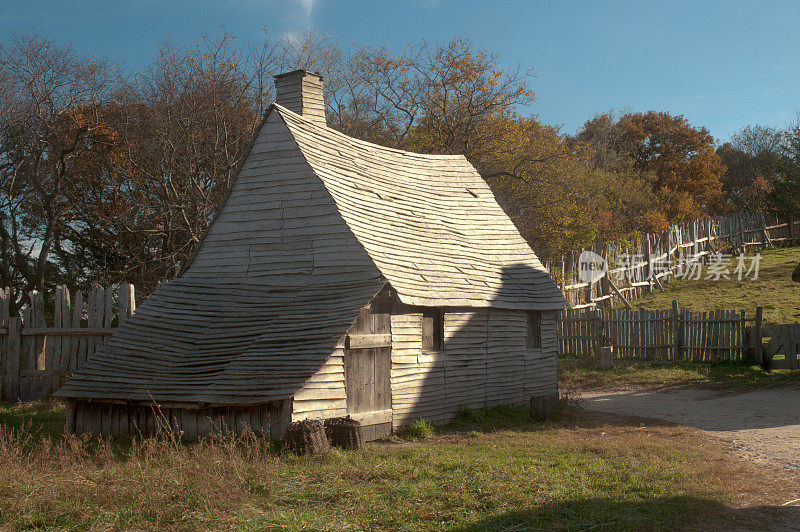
(773, 290)
(492, 470)
(579, 373)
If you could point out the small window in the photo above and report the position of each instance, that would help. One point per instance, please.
(432, 329)
(534, 329)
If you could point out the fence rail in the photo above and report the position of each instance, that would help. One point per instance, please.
(640, 266)
(36, 357)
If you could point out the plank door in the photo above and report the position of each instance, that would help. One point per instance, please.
(367, 365)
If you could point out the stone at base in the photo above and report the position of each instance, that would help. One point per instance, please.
(542, 406)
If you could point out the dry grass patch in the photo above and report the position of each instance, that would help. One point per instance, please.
(601, 472)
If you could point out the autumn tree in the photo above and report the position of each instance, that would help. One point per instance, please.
(687, 171)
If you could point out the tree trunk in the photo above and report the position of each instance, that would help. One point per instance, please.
(796, 274)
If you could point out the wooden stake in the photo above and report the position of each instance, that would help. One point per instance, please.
(619, 294)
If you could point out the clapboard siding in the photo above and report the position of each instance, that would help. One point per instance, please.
(541, 365)
(485, 362)
(323, 396)
(506, 357)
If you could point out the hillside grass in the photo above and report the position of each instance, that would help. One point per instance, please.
(491, 470)
(773, 290)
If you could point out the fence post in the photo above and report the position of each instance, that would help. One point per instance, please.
(677, 333)
(648, 252)
(127, 302)
(745, 338)
(598, 332)
(758, 346)
(13, 354)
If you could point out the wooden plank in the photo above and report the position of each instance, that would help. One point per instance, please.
(69, 331)
(53, 350)
(374, 417)
(77, 345)
(367, 341)
(127, 302)
(66, 322)
(619, 294)
(13, 353)
(37, 320)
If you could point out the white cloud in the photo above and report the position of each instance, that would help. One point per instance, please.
(307, 6)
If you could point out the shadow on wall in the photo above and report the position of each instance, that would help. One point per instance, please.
(485, 359)
(662, 513)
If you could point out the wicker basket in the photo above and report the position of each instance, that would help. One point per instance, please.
(307, 437)
(344, 432)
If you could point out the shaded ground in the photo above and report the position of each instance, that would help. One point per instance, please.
(761, 425)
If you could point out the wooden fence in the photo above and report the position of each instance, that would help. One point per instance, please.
(662, 335)
(642, 265)
(36, 357)
(679, 335)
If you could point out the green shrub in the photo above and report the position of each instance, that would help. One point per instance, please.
(419, 430)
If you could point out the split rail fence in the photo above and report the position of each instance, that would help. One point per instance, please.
(36, 357)
(642, 265)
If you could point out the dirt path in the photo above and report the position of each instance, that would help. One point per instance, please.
(761, 425)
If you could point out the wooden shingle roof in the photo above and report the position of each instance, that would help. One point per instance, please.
(429, 222)
(221, 344)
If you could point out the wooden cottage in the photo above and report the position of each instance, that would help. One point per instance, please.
(339, 277)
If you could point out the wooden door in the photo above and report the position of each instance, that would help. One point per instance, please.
(367, 365)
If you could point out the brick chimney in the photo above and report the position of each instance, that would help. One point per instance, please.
(301, 92)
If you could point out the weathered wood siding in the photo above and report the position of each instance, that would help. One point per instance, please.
(99, 417)
(484, 362)
(417, 378)
(541, 365)
(324, 395)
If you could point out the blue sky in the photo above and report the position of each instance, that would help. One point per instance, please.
(721, 64)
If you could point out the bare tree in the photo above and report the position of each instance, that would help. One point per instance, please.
(184, 124)
(50, 119)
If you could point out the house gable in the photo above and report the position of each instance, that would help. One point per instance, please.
(279, 225)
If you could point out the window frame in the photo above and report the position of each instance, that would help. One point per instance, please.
(533, 339)
(433, 329)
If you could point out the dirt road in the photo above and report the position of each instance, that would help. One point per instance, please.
(761, 425)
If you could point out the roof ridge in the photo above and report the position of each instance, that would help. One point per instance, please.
(329, 130)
